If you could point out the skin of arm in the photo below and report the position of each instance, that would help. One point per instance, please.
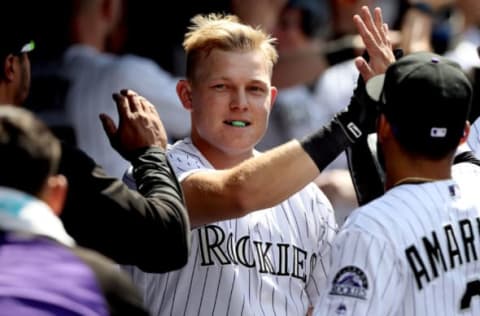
(257, 183)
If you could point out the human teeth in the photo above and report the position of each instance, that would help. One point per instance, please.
(238, 123)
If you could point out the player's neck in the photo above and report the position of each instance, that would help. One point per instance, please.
(220, 158)
(417, 171)
(6, 94)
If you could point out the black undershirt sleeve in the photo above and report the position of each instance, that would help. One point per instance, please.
(150, 231)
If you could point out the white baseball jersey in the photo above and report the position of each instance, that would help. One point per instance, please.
(413, 251)
(269, 262)
(474, 138)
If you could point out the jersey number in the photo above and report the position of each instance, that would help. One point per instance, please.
(473, 288)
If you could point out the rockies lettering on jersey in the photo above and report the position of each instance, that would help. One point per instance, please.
(460, 248)
(291, 259)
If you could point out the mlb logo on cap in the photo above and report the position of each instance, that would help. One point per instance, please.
(438, 132)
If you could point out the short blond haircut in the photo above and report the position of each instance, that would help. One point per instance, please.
(224, 32)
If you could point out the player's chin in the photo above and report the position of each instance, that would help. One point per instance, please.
(239, 145)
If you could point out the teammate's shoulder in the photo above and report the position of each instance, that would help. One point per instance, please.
(182, 146)
(185, 157)
(375, 214)
(466, 173)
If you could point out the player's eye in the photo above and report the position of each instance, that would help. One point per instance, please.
(219, 87)
(257, 89)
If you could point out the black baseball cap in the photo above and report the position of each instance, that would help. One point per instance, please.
(16, 36)
(16, 45)
(426, 98)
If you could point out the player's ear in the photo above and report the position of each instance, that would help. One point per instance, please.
(273, 96)
(9, 67)
(54, 193)
(384, 129)
(184, 92)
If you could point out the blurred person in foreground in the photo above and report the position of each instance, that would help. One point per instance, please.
(42, 271)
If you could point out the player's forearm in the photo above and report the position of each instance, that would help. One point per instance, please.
(257, 183)
(164, 214)
(272, 177)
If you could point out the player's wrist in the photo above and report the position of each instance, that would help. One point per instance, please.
(135, 156)
(324, 145)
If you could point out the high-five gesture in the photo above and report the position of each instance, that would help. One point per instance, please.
(139, 124)
(374, 33)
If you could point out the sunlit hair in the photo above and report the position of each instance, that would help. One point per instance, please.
(227, 33)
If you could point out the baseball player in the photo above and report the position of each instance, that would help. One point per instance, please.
(413, 251)
(271, 261)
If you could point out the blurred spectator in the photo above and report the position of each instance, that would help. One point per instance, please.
(69, 92)
(450, 27)
(465, 49)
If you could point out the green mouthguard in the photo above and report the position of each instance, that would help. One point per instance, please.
(238, 124)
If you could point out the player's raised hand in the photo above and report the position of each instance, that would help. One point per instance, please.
(374, 34)
(139, 124)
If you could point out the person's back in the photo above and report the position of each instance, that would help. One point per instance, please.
(41, 270)
(46, 272)
(432, 258)
(38, 273)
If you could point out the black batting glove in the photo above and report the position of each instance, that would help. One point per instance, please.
(349, 126)
(355, 122)
(358, 119)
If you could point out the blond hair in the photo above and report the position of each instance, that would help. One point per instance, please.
(224, 32)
